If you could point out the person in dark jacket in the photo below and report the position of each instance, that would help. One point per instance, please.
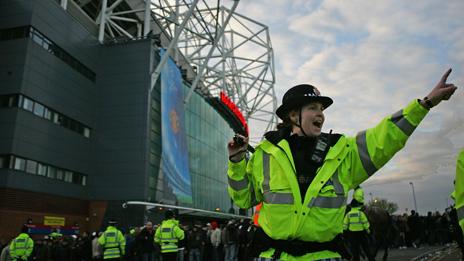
(196, 240)
(145, 242)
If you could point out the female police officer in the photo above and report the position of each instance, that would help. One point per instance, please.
(302, 176)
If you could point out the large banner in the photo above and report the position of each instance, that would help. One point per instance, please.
(174, 157)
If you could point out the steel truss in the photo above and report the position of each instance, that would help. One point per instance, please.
(218, 49)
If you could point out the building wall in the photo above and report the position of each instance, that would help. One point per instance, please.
(120, 156)
(34, 71)
(123, 85)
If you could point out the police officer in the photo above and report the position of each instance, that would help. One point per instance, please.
(357, 226)
(459, 189)
(112, 242)
(168, 235)
(302, 175)
(21, 247)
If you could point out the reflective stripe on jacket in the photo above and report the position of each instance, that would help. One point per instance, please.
(459, 189)
(270, 177)
(21, 247)
(356, 220)
(168, 235)
(113, 243)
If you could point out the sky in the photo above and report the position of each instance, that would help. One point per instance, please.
(373, 58)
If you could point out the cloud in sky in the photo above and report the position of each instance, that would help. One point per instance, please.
(373, 59)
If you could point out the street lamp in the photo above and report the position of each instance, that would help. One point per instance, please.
(413, 195)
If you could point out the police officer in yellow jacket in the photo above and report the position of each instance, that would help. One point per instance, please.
(302, 175)
(112, 242)
(459, 189)
(356, 226)
(21, 247)
(168, 235)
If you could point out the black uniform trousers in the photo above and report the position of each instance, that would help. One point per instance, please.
(172, 256)
(358, 240)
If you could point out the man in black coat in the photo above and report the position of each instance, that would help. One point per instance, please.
(145, 242)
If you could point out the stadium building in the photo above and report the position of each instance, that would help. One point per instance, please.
(105, 102)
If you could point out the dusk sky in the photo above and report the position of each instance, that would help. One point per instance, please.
(373, 58)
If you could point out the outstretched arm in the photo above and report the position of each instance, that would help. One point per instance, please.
(374, 147)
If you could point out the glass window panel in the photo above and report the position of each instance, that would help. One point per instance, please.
(56, 117)
(51, 172)
(39, 109)
(19, 164)
(13, 101)
(3, 163)
(28, 104)
(4, 101)
(68, 176)
(47, 114)
(86, 132)
(36, 38)
(42, 170)
(77, 178)
(59, 174)
(84, 180)
(31, 166)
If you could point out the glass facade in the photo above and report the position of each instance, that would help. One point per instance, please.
(207, 137)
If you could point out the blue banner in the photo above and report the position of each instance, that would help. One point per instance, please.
(174, 157)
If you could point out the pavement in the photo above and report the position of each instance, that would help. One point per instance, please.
(427, 253)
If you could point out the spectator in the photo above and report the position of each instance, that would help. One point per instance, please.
(145, 242)
(215, 240)
(230, 241)
(97, 250)
(195, 243)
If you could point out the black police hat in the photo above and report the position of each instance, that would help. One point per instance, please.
(300, 95)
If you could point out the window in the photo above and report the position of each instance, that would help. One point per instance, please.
(19, 164)
(14, 33)
(28, 104)
(31, 166)
(48, 114)
(39, 109)
(51, 172)
(56, 118)
(59, 174)
(68, 175)
(3, 162)
(42, 170)
(86, 132)
(13, 101)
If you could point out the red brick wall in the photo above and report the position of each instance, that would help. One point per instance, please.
(17, 206)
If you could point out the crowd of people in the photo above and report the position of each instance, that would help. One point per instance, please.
(436, 228)
(224, 240)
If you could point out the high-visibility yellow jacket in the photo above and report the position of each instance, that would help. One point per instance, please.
(168, 235)
(356, 220)
(270, 177)
(21, 247)
(113, 243)
(459, 189)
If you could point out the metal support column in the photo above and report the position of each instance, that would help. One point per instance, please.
(101, 32)
(216, 40)
(146, 21)
(173, 42)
